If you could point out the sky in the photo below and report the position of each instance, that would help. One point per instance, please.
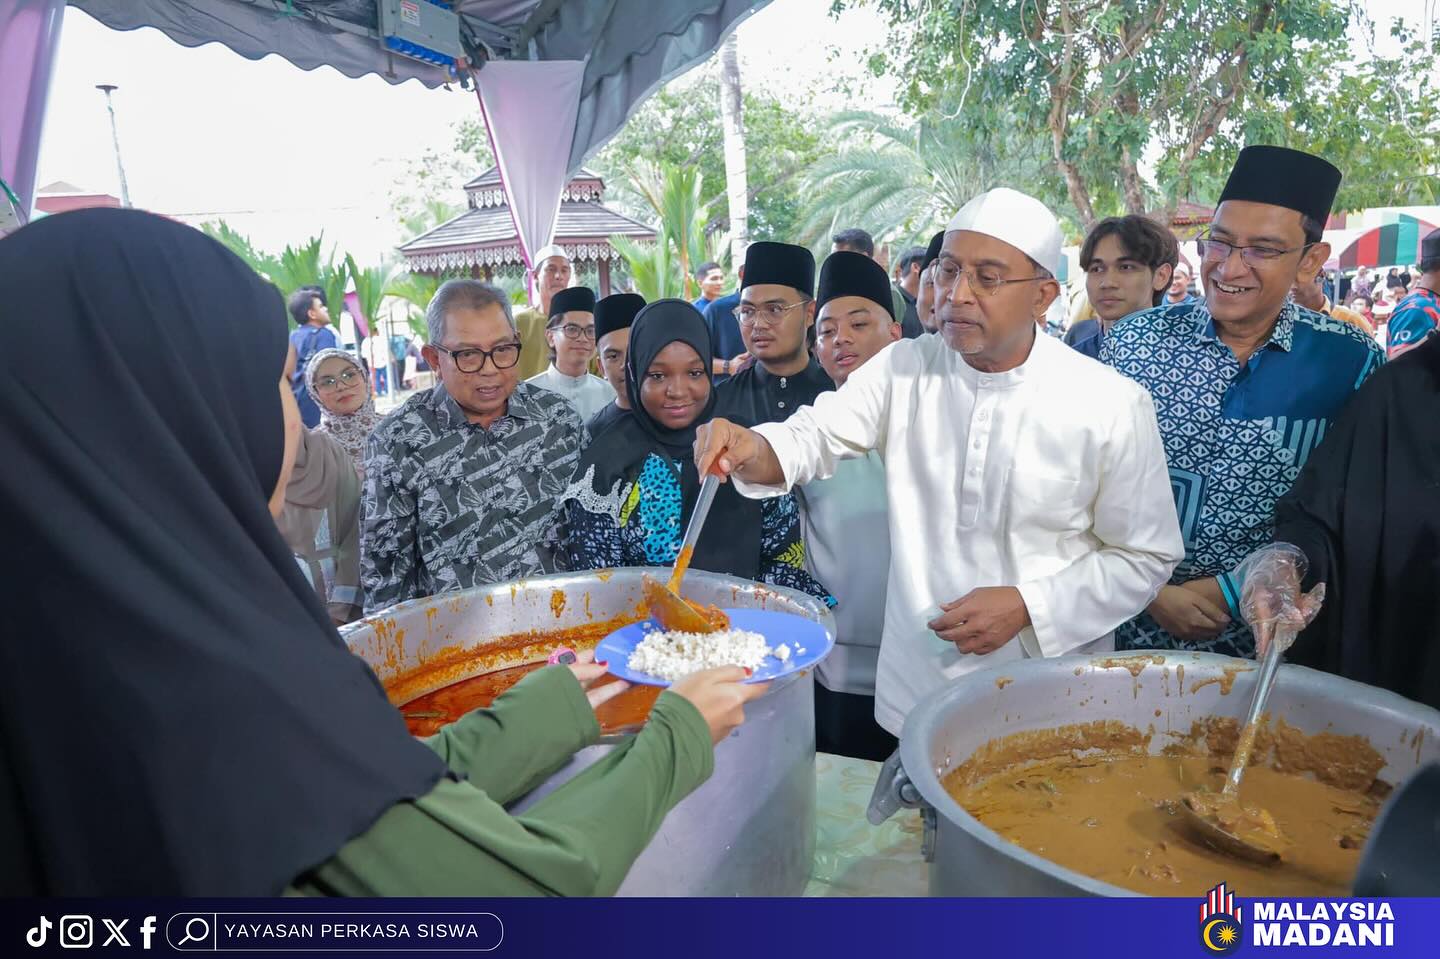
(282, 153)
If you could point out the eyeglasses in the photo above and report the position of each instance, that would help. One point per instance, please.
(503, 356)
(989, 282)
(770, 313)
(1218, 251)
(574, 331)
(329, 384)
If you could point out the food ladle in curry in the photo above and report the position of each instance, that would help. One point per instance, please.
(1219, 819)
(663, 601)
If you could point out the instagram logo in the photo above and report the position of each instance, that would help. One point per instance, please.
(77, 932)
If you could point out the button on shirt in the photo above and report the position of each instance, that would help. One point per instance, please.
(759, 396)
(1235, 437)
(996, 479)
(450, 504)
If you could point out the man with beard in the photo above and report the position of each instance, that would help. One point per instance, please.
(1022, 523)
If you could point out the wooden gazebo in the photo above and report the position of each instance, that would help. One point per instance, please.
(482, 241)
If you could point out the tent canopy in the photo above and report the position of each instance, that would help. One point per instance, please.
(628, 47)
(1396, 243)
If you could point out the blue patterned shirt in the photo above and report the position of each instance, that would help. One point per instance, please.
(1235, 436)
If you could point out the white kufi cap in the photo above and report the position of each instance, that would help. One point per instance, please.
(1020, 220)
(546, 252)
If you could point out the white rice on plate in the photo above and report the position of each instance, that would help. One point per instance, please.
(674, 655)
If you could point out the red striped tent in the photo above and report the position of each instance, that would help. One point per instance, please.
(1396, 243)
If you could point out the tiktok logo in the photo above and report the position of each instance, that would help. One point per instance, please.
(36, 936)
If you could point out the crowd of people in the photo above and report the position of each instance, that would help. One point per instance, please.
(913, 449)
(1096, 504)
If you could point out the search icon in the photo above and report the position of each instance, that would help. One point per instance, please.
(190, 935)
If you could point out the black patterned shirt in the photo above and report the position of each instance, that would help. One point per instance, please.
(450, 504)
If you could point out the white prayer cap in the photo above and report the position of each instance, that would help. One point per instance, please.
(546, 252)
(1022, 221)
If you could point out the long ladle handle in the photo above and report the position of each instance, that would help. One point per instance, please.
(1263, 684)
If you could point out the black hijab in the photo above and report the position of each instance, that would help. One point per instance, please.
(1366, 511)
(177, 714)
(730, 542)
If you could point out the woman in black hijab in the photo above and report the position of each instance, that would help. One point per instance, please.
(639, 484)
(177, 714)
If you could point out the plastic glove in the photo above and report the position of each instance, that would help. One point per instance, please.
(1270, 595)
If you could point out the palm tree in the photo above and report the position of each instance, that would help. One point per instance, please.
(675, 194)
(732, 121)
(293, 268)
(372, 285)
(651, 267)
(901, 179)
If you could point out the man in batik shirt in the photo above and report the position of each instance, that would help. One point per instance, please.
(462, 482)
(1245, 385)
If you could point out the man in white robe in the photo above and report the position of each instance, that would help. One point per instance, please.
(570, 334)
(1030, 506)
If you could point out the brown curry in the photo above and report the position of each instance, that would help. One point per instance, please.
(1090, 797)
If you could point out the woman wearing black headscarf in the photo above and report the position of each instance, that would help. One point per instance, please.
(177, 714)
(638, 481)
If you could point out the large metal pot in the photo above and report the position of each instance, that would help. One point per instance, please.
(750, 829)
(969, 859)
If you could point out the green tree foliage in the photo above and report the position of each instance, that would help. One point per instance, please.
(680, 127)
(672, 195)
(372, 286)
(293, 267)
(1108, 82)
(901, 180)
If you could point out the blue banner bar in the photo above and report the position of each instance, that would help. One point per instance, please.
(1221, 924)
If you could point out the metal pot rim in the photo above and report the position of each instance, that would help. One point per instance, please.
(915, 758)
(812, 607)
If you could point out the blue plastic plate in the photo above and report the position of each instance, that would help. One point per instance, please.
(797, 632)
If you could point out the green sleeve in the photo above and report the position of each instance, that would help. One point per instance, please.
(579, 841)
(529, 732)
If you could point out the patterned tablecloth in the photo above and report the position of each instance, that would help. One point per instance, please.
(852, 857)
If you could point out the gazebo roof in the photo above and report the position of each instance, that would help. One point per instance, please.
(484, 235)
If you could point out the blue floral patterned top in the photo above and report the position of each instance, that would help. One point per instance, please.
(1235, 436)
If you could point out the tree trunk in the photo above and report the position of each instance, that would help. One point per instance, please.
(1061, 90)
(1130, 180)
(733, 121)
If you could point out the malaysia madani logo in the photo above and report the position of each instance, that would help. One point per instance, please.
(1220, 922)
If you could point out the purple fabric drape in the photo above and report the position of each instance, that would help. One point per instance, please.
(29, 39)
(530, 109)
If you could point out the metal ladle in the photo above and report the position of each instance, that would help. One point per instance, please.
(664, 601)
(1218, 819)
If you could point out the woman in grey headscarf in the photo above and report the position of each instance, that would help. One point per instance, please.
(321, 519)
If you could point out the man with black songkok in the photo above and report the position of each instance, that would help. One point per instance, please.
(776, 311)
(570, 334)
(1245, 384)
(856, 322)
(613, 316)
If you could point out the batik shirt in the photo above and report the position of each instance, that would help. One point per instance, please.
(640, 525)
(450, 504)
(1235, 436)
(1415, 317)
